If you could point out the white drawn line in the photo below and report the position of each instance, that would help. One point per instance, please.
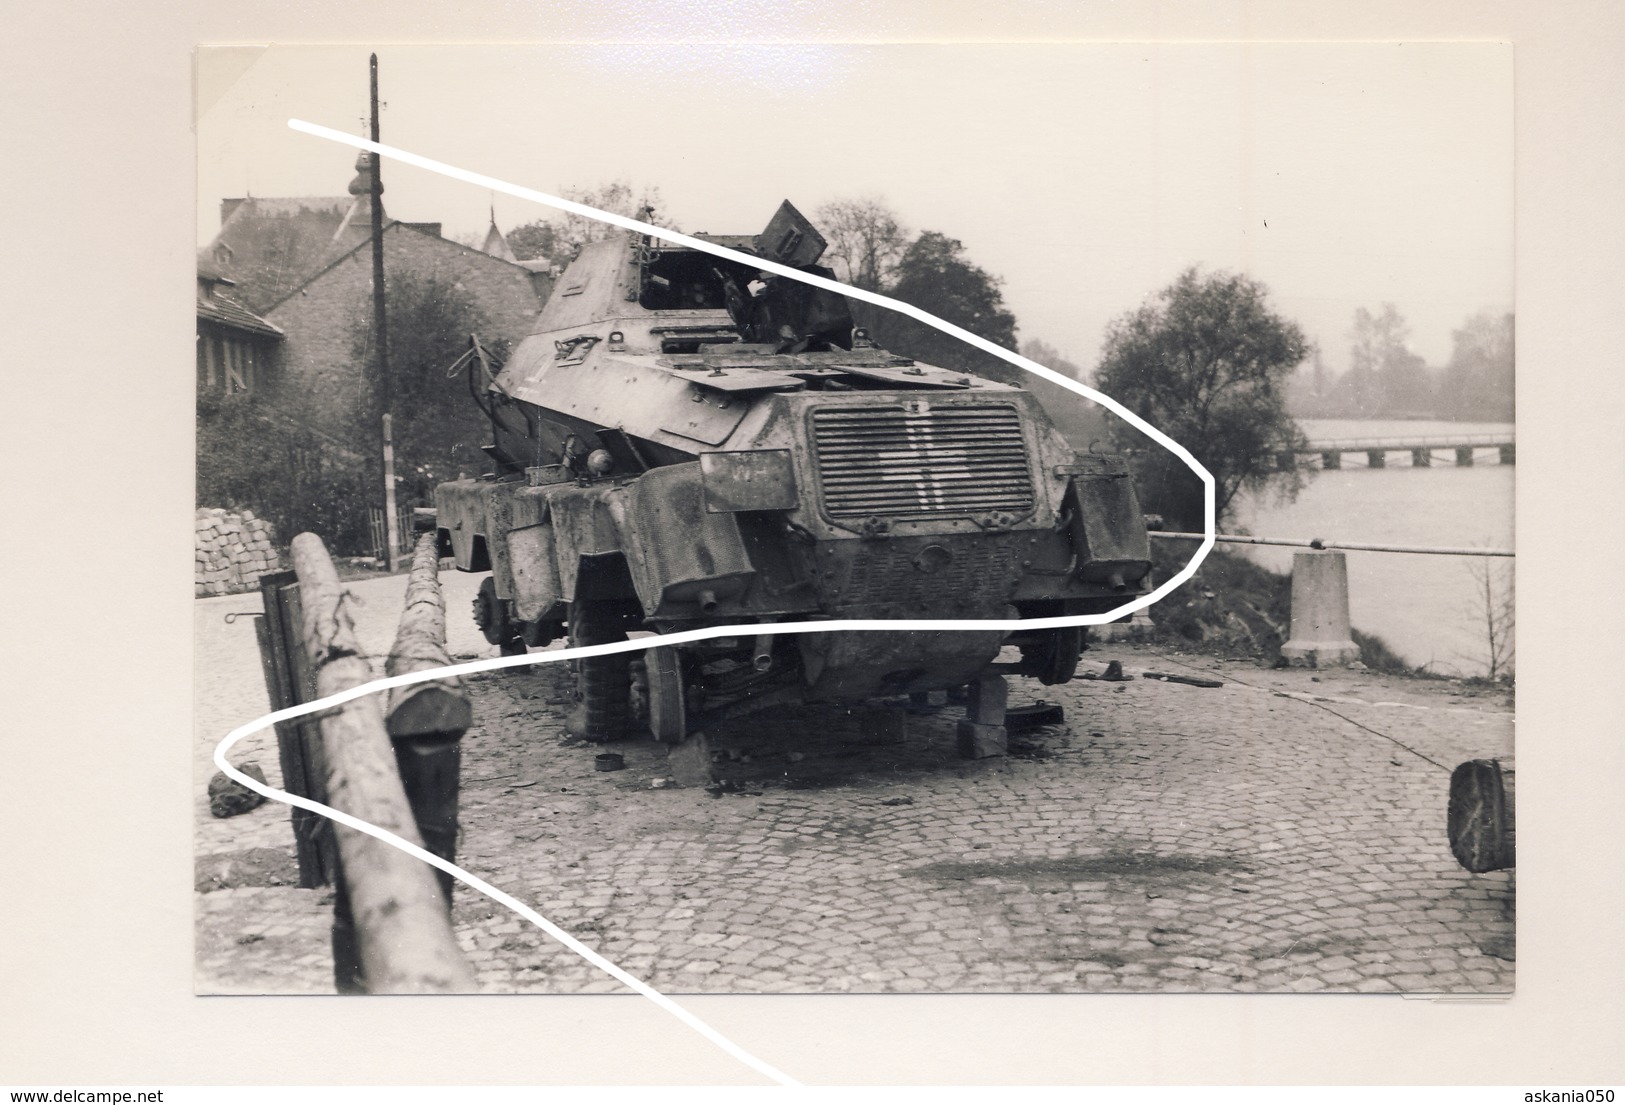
(468, 879)
(894, 625)
(1209, 529)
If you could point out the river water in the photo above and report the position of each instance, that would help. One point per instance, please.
(1429, 609)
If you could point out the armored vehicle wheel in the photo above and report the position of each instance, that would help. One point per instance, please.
(491, 615)
(603, 683)
(668, 706)
(1054, 659)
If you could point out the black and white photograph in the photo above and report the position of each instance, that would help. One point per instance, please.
(1294, 260)
(840, 545)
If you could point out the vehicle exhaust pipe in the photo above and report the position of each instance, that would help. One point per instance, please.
(708, 602)
(762, 654)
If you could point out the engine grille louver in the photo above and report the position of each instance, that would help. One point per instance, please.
(948, 460)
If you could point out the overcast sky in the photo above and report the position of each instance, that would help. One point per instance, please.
(1087, 176)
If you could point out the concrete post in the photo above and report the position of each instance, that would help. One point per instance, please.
(1421, 458)
(1286, 462)
(1376, 458)
(1464, 456)
(1509, 454)
(1320, 612)
(1331, 459)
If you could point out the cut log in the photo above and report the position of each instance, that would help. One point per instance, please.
(1481, 815)
(437, 709)
(403, 933)
(427, 720)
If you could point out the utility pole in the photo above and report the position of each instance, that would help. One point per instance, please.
(380, 343)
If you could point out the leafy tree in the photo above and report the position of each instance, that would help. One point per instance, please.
(1050, 357)
(309, 457)
(935, 275)
(538, 240)
(866, 241)
(1206, 362)
(1377, 338)
(1478, 382)
(438, 429)
(1384, 376)
(254, 452)
(1082, 423)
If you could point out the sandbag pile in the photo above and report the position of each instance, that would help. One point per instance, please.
(233, 550)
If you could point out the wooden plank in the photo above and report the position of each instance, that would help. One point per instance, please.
(233, 373)
(402, 930)
(1190, 680)
(288, 683)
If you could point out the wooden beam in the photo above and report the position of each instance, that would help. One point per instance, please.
(404, 935)
(426, 721)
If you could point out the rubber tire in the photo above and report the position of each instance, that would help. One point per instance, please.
(668, 707)
(1056, 657)
(603, 683)
(491, 615)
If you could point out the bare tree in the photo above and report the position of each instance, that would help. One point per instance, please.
(866, 241)
(1495, 611)
(619, 197)
(558, 240)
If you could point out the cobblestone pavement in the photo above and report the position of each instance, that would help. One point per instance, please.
(1284, 832)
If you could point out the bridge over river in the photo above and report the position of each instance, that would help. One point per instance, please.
(1421, 447)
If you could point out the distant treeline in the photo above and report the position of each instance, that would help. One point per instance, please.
(1386, 380)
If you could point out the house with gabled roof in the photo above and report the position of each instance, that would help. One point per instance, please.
(302, 267)
(235, 346)
(290, 279)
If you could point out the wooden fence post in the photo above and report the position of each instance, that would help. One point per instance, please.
(403, 934)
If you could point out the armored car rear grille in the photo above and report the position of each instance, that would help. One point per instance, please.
(946, 460)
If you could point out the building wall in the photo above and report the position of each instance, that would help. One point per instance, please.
(320, 320)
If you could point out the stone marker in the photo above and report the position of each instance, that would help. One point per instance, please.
(1320, 612)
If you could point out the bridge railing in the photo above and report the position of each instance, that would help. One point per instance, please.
(1426, 441)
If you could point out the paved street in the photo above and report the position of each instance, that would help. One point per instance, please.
(1280, 833)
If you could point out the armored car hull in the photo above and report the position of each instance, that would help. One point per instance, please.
(685, 443)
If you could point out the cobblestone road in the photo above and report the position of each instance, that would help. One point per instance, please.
(1281, 833)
